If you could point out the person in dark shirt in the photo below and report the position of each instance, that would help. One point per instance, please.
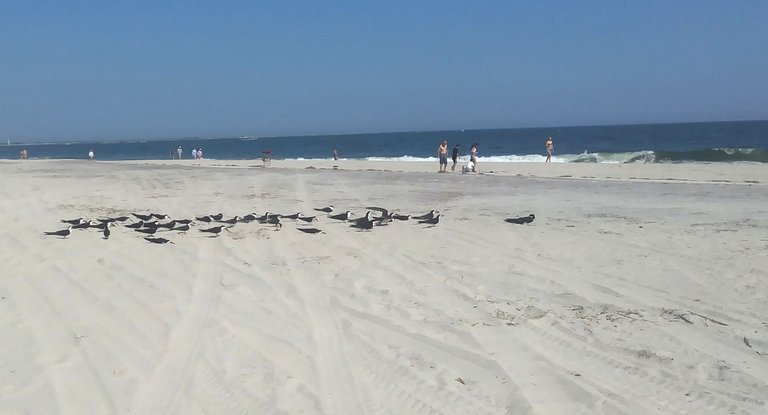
(455, 157)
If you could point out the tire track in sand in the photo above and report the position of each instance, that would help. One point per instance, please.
(174, 370)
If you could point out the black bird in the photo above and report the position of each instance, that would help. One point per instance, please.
(142, 217)
(363, 224)
(426, 216)
(182, 228)
(401, 217)
(341, 216)
(217, 216)
(230, 221)
(74, 221)
(274, 220)
(157, 240)
(159, 215)
(327, 209)
(137, 225)
(63, 233)
(307, 219)
(530, 218)
(152, 224)
(118, 219)
(216, 230)
(364, 219)
(384, 212)
(273, 215)
(167, 225)
(521, 220)
(149, 231)
(184, 221)
(206, 218)
(101, 225)
(432, 221)
(310, 230)
(83, 225)
(294, 216)
(382, 221)
(106, 231)
(262, 218)
(250, 217)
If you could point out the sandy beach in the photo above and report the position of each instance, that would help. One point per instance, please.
(638, 289)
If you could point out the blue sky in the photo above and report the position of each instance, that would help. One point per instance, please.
(145, 69)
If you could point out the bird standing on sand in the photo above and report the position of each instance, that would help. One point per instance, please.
(249, 218)
(106, 231)
(142, 217)
(363, 223)
(168, 225)
(137, 225)
(327, 209)
(364, 220)
(310, 230)
(274, 220)
(74, 221)
(84, 225)
(521, 220)
(148, 231)
(307, 219)
(431, 221)
(63, 233)
(426, 216)
(157, 240)
(216, 230)
(342, 216)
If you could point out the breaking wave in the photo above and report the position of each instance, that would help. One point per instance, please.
(712, 155)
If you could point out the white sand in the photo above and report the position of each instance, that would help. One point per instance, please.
(639, 289)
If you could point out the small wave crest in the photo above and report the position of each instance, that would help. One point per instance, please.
(715, 155)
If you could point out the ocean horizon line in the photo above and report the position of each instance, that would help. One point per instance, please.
(66, 141)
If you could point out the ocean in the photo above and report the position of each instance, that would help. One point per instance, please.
(713, 142)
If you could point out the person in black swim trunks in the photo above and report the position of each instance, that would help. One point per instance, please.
(442, 154)
(455, 156)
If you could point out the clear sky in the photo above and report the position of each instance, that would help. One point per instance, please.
(154, 69)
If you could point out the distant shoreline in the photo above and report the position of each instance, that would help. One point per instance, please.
(718, 173)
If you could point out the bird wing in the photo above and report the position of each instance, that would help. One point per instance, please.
(385, 212)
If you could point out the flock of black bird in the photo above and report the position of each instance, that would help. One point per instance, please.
(150, 224)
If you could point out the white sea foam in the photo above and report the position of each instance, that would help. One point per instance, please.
(629, 157)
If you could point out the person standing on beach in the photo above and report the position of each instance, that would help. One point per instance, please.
(473, 157)
(550, 148)
(455, 157)
(442, 154)
(91, 154)
(179, 152)
(194, 153)
(335, 154)
(199, 153)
